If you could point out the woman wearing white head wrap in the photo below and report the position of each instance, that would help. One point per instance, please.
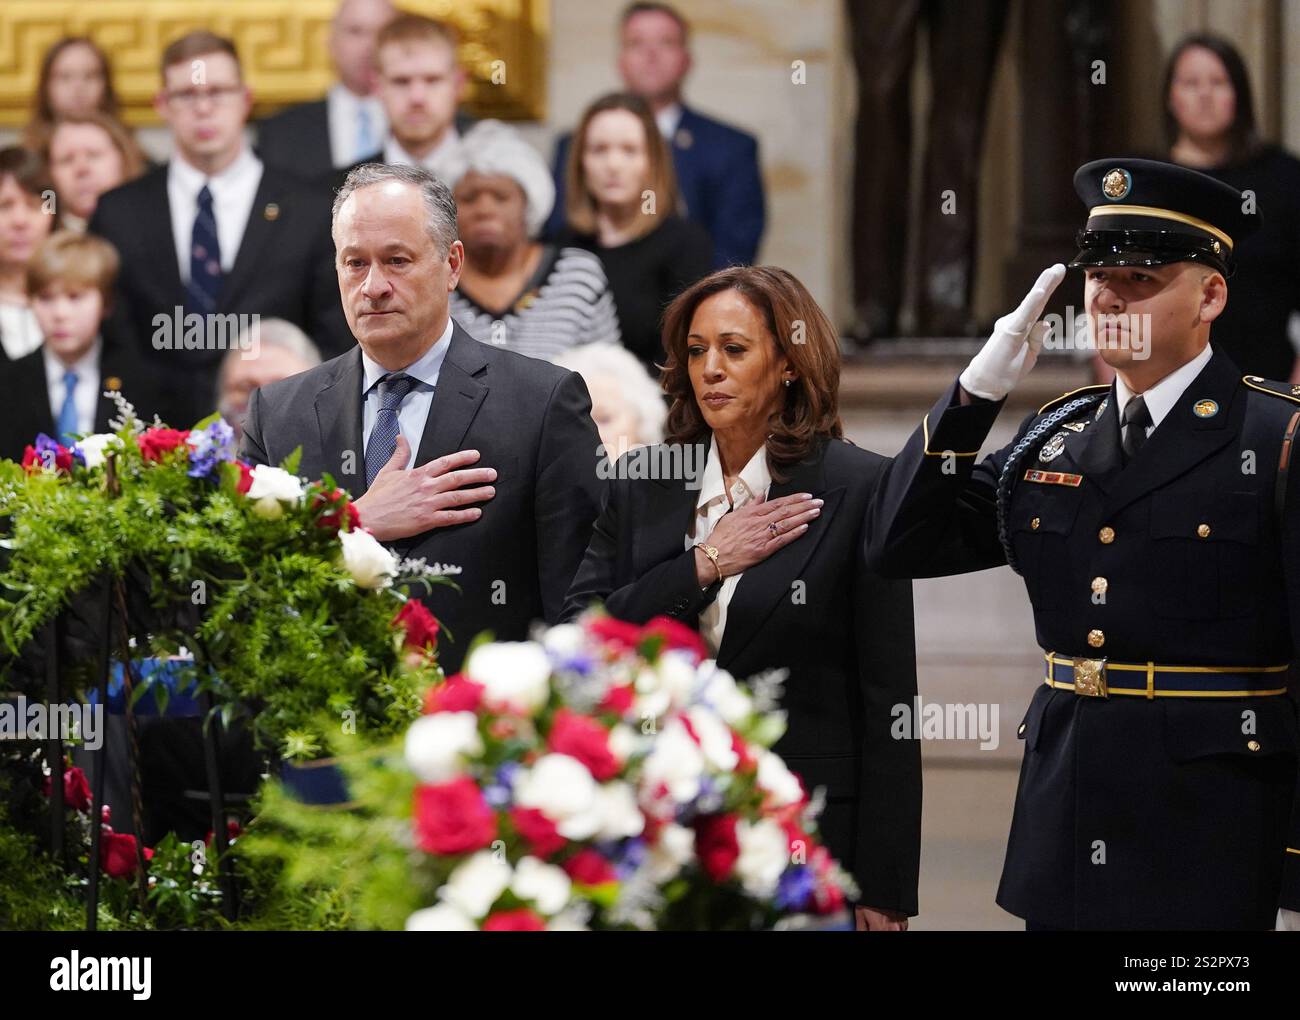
(516, 292)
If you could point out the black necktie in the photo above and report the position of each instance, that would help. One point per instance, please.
(1136, 420)
(204, 288)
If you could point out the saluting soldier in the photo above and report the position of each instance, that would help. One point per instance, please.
(1157, 529)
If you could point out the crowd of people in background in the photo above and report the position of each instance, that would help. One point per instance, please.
(645, 198)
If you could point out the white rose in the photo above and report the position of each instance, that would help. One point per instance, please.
(477, 883)
(568, 920)
(775, 779)
(564, 641)
(437, 745)
(369, 563)
(443, 917)
(513, 673)
(620, 817)
(675, 761)
(679, 676)
(544, 884)
(674, 850)
(562, 789)
(764, 855)
(624, 741)
(715, 738)
(726, 697)
(94, 448)
(275, 483)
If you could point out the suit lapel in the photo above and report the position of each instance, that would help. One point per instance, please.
(30, 394)
(665, 516)
(158, 243)
(260, 234)
(1183, 438)
(765, 584)
(338, 416)
(462, 385)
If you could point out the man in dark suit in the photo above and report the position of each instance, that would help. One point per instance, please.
(214, 236)
(455, 451)
(347, 126)
(1157, 527)
(717, 165)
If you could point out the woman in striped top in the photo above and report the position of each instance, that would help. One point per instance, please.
(514, 292)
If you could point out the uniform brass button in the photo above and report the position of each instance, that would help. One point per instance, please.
(1107, 535)
(1099, 585)
(1096, 638)
(1021, 731)
(1203, 530)
(1253, 745)
(1033, 525)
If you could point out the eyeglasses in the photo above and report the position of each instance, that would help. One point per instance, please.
(188, 99)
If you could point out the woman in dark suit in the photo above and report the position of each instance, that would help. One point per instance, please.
(762, 549)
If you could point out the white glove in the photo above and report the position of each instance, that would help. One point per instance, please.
(1288, 920)
(1013, 348)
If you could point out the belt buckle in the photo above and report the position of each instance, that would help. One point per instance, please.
(1090, 678)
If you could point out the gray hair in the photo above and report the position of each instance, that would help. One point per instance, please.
(638, 390)
(439, 205)
(496, 149)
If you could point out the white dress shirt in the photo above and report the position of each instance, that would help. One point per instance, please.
(20, 333)
(1162, 397)
(414, 410)
(668, 118)
(233, 192)
(86, 392)
(394, 153)
(343, 109)
(753, 481)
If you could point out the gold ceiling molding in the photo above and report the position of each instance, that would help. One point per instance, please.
(282, 44)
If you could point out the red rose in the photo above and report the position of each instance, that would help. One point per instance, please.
(421, 626)
(233, 831)
(587, 867)
(117, 854)
(538, 832)
(622, 635)
(584, 739)
(521, 919)
(156, 442)
(344, 509)
(716, 846)
(746, 762)
(828, 897)
(35, 461)
(617, 700)
(245, 478)
(677, 635)
(799, 841)
(76, 789)
(453, 818)
(457, 693)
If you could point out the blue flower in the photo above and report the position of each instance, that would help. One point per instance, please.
(209, 447)
(795, 888)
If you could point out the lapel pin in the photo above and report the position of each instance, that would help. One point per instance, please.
(1101, 409)
(1052, 448)
(113, 383)
(271, 211)
(684, 139)
(1205, 408)
(1075, 426)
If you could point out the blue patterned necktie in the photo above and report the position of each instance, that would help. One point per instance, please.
(67, 423)
(393, 389)
(202, 291)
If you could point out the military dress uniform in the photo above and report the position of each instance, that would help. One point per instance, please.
(1158, 783)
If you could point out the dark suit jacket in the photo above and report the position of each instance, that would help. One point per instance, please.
(26, 409)
(527, 418)
(718, 178)
(298, 140)
(843, 632)
(284, 269)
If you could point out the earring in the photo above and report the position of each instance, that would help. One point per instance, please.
(787, 383)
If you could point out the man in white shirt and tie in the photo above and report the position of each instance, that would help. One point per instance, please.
(349, 123)
(214, 237)
(420, 86)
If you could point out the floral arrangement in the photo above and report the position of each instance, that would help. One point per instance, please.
(608, 775)
(292, 612)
